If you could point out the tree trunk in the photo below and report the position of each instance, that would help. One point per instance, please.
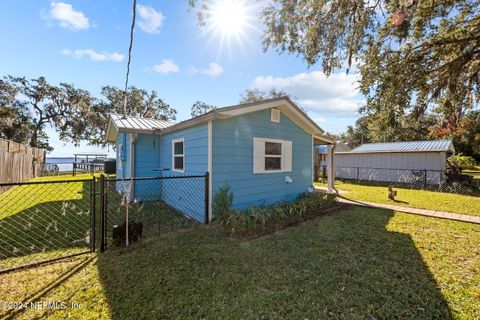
(34, 138)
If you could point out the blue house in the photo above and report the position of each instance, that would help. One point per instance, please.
(263, 150)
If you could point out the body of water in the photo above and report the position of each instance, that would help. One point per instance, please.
(64, 164)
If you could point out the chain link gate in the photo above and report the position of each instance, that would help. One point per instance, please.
(45, 221)
(143, 207)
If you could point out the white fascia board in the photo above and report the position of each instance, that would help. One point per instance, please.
(188, 123)
(138, 131)
(322, 138)
(302, 120)
(254, 108)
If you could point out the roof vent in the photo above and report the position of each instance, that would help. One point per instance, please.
(275, 115)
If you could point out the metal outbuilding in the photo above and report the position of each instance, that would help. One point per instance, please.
(396, 161)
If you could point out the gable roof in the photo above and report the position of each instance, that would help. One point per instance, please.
(405, 146)
(284, 104)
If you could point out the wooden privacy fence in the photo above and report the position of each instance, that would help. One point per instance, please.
(19, 162)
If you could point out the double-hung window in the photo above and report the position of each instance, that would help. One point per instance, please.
(178, 155)
(271, 155)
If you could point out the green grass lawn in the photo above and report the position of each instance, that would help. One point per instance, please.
(354, 264)
(410, 198)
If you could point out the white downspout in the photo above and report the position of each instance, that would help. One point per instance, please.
(331, 168)
(133, 140)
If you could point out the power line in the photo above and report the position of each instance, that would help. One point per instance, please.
(129, 58)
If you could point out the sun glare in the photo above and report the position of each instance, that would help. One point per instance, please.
(230, 21)
(229, 17)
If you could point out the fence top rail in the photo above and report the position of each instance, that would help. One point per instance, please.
(10, 184)
(155, 178)
(371, 168)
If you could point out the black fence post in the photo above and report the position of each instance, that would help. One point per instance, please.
(93, 195)
(207, 192)
(102, 212)
(425, 179)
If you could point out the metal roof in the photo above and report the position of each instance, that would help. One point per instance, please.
(406, 146)
(138, 123)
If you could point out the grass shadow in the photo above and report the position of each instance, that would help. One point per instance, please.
(43, 281)
(343, 265)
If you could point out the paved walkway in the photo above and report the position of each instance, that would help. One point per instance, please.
(422, 212)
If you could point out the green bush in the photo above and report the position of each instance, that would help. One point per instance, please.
(222, 201)
(461, 162)
(271, 217)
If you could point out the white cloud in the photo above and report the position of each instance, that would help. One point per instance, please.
(167, 66)
(67, 17)
(150, 19)
(213, 70)
(93, 55)
(336, 94)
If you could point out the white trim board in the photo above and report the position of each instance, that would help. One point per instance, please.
(210, 171)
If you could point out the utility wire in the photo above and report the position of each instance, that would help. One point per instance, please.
(129, 59)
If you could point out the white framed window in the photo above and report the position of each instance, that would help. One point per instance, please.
(178, 155)
(275, 115)
(271, 155)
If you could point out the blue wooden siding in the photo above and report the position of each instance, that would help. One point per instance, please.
(147, 162)
(233, 159)
(186, 195)
(232, 163)
(154, 152)
(196, 150)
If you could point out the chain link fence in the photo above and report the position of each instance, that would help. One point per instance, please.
(152, 206)
(432, 180)
(44, 221)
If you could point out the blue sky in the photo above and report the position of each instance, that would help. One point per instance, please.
(85, 42)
